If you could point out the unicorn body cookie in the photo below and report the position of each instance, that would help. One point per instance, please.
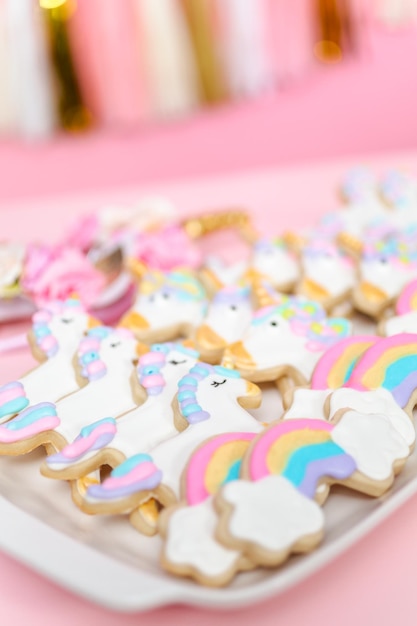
(54, 338)
(209, 404)
(274, 261)
(106, 357)
(111, 441)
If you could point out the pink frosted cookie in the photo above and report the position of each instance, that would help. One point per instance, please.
(405, 319)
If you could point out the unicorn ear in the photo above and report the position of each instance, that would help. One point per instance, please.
(92, 322)
(350, 244)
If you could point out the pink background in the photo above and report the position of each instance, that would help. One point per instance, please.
(375, 580)
(357, 108)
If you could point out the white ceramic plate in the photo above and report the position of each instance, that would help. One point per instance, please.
(105, 560)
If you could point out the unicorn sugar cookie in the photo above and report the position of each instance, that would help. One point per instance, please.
(273, 260)
(106, 358)
(168, 305)
(54, 338)
(329, 274)
(385, 269)
(228, 315)
(190, 547)
(110, 441)
(210, 401)
(286, 340)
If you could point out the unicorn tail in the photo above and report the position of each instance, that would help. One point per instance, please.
(134, 476)
(32, 421)
(92, 438)
(12, 400)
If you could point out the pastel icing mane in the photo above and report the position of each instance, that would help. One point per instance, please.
(29, 422)
(180, 283)
(395, 250)
(307, 319)
(398, 189)
(151, 364)
(407, 302)
(137, 473)
(12, 399)
(214, 464)
(358, 184)
(188, 386)
(392, 364)
(44, 338)
(232, 294)
(335, 366)
(303, 452)
(92, 365)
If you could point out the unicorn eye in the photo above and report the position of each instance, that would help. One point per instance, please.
(216, 383)
(115, 345)
(273, 323)
(383, 260)
(233, 307)
(165, 295)
(174, 362)
(65, 320)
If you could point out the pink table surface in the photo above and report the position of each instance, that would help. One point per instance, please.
(375, 580)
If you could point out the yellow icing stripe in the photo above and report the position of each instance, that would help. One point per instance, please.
(337, 375)
(281, 450)
(221, 462)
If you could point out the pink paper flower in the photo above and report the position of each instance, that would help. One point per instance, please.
(166, 249)
(56, 273)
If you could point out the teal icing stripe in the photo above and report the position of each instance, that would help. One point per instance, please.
(87, 430)
(299, 460)
(130, 464)
(398, 371)
(14, 406)
(233, 473)
(30, 416)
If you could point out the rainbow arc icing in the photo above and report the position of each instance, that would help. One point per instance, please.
(390, 363)
(303, 452)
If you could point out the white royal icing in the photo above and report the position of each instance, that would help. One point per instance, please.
(374, 401)
(406, 323)
(226, 415)
(56, 377)
(307, 404)
(372, 442)
(108, 396)
(190, 541)
(152, 422)
(386, 276)
(271, 513)
(229, 320)
(331, 273)
(275, 263)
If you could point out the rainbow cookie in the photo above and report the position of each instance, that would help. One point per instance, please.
(271, 511)
(331, 372)
(405, 320)
(190, 548)
(54, 337)
(286, 339)
(168, 305)
(106, 359)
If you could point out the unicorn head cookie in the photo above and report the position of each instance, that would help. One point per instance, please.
(169, 305)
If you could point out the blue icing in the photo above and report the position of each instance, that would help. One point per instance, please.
(14, 406)
(225, 371)
(130, 464)
(31, 415)
(233, 473)
(190, 408)
(300, 459)
(398, 371)
(87, 430)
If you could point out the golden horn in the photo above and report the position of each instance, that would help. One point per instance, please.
(263, 296)
(350, 244)
(294, 240)
(206, 223)
(227, 360)
(137, 268)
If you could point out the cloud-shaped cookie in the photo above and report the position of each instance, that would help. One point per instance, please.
(268, 519)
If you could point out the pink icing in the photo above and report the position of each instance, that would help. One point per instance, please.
(152, 358)
(40, 426)
(257, 465)
(137, 474)
(11, 394)
(196, 491)
(153, 380)
(77, 448)
(95, 367)
(407, 301)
